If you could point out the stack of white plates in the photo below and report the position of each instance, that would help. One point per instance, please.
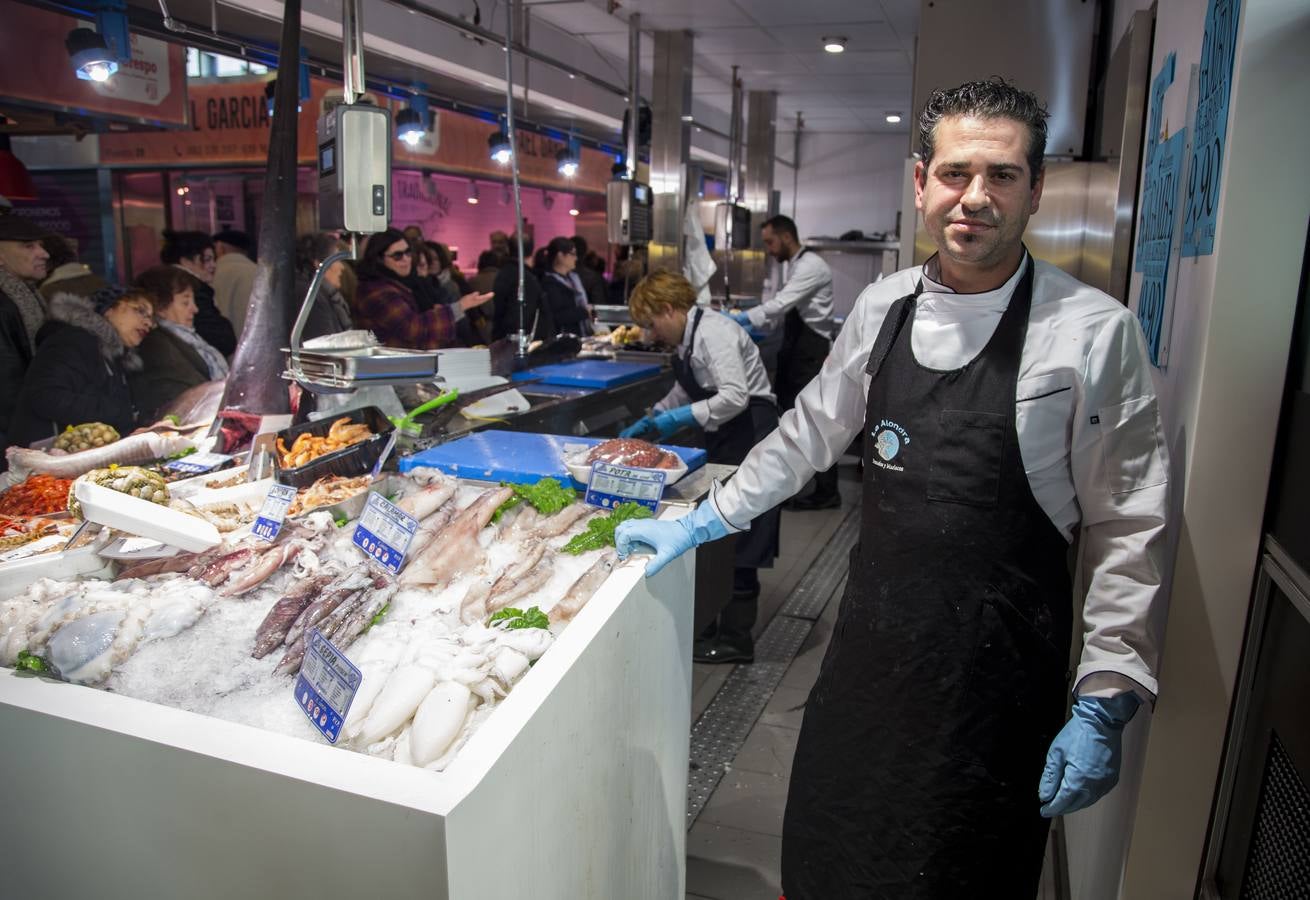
(463, 363)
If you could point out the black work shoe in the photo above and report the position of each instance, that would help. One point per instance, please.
(721, 651)
(813, 502)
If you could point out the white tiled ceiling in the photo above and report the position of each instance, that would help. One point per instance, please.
(776, 45)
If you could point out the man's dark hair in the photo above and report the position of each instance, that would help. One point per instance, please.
(180, 245)
(992, 99)
(233, 238)
(783, 225)
(580, 245)
(491, 259)
(59, 249)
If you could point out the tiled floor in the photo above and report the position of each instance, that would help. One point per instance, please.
(734, 847)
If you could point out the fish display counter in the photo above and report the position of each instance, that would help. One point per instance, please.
(518, 727)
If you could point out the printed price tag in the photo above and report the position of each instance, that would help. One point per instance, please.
(268, 524)
(326, 685)
(384, 532)
(611, 485)
(198, 463)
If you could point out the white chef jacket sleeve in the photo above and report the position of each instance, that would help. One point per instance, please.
(672, 400)
(1120, 473)
(728, 371)
(809, 438)
(803, 282)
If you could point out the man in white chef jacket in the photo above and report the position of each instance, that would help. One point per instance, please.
(1005, 406)
(802, 307)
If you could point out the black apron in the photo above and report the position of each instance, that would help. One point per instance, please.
(728, 445)
(800, 356)
(945, 681)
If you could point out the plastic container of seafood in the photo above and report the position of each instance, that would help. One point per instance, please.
(357, 459)
(351, 507)
(67, 565)
(143, 518)
(580, 469)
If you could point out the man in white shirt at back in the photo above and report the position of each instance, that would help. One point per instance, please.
(234, 276)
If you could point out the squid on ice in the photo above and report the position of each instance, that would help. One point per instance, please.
(455, 548)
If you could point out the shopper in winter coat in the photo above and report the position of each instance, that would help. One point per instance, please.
(330, 313)
(22, 310)
(564, 292)
(193, 253)
(234, 276)
(84, 354)
(385, 305)
(67, 274)
(175, 357)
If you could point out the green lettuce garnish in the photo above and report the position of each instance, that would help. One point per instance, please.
(548, 496)
(600, 531)
(513, 618)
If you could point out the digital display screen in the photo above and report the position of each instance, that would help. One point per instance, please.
(641, 193)
(327, 159)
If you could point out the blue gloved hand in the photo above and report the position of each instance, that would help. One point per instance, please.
(1082, 765)
(669, 540)
(671, 421)
(643, 426)
(740, 318)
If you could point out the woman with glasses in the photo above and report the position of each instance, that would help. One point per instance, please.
(386, 305)
(84, 353)
(565, 295)
(193, 253)
(174, 355)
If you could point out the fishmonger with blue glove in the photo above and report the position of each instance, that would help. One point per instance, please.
(1006, 408)
(722, 387)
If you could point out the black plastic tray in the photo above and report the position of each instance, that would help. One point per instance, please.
(357, 459)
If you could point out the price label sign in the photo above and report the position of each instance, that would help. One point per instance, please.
(326, 685)
(384, 532)
(198, 463)
(611, 485)
(268, 524)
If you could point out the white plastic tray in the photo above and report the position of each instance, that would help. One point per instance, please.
(143, 518)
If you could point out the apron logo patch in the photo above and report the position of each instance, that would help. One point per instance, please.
(888, 439)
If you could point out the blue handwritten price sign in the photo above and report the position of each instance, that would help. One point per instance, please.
(1155, 229)
(1210, 128)
(268, 524)
(611, 485)
(326, 685)
(198, 463)
(384, 532)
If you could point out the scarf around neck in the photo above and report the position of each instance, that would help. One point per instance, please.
(214, 360)
(31, 305)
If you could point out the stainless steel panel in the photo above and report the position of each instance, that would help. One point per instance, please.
(1055, 232)
(670, 147)
(1043, 46)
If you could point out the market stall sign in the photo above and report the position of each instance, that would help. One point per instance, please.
(384, 532)
(34, 70)
(611, 485)
(268, 524)
(198, 463)
(326, 685)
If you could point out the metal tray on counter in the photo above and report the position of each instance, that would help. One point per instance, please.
(363, 364)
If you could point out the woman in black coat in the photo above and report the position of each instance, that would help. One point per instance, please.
(563, 291)
(174, 355)
(79, 374)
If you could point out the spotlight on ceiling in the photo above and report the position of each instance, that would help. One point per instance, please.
(568, 160)
(573, 207)
(893, 118)
(836, 44)
(473, 193)
(501, 149)
(414, 121)
(91, 56)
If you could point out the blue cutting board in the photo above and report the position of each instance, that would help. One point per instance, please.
(514, 456)
(590, 373)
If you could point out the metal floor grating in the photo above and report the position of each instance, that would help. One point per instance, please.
(722, 728)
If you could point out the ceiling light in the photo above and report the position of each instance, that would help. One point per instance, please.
(473, 193)
(410, 127)
(568, 160)
(573, 208)
(834, 44)
(893, 118)
(501, 149)
(91, 56)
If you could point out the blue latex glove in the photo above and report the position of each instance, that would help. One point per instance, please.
(643, 426)
(669, 540)
(671, 421)
(740, 318)
(1082, 765)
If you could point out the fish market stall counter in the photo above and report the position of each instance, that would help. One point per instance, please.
(573, 786)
